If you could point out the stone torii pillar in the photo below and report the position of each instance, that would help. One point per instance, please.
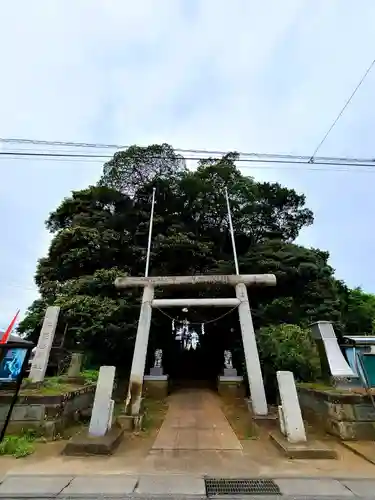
(258, 397)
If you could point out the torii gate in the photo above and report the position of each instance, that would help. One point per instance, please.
(258, 396)
(254, 372)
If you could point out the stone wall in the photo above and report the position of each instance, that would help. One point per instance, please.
(155, 389)
(345, 414)
(50, 414)
(232, 389)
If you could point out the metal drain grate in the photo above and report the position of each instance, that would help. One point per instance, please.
(218, 487)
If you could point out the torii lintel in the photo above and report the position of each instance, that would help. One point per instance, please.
(224, 279)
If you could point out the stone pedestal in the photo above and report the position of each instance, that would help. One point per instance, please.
(156, 371)
(155, 386)
(83, 444)
(319, 450)
(230, 372)
(231, 387)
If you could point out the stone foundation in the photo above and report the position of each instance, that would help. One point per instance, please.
(318, 450)
(345, 414)
(49, 414)
(231, 387)
(82, 444)
(156, 387)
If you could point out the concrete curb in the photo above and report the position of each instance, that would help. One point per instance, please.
(168, 486)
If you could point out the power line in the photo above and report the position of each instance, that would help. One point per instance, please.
(247, 160)
(99, 145)
(12, 140)
(341, 112)
(180, 150)
(53, 155)
(364, 169)
(260, 159)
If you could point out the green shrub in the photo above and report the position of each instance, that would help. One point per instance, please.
(90, 376)
(287, 347)
(18, 445)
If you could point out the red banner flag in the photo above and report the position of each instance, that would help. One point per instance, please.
(5, 337)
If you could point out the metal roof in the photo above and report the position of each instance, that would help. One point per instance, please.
(361, 339)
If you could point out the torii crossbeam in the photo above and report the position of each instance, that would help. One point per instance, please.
(258, 396)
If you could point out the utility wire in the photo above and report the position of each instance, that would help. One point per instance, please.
(360, 168)
(191, 150)
(369, 162)
(341, 112)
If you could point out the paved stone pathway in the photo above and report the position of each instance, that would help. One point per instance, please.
(195, 421)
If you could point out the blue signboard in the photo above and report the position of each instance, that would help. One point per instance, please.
(11, 365)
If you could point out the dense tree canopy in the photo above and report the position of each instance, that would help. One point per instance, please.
(101, 232)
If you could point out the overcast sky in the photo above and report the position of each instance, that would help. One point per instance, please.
(251, 75)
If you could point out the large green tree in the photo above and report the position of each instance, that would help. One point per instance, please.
(101, 232)
(358, 311)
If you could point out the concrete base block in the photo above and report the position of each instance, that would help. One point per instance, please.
(232, 387)
(130, 422)
(271, 415)
(156, 387)
(83, 444)
(126, 422)
(306, 450)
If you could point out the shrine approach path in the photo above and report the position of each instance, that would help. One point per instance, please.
(195, 421)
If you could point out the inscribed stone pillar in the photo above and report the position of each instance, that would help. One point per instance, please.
(292, 416)
(103, 405)
(43, 348)
(254, 372)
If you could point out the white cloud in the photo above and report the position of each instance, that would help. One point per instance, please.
(253, 76)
